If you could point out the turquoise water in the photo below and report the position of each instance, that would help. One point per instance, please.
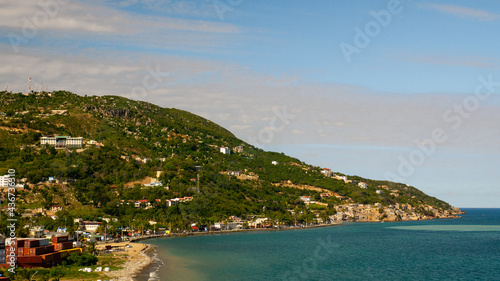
(455, 249)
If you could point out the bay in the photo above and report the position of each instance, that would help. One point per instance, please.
(466, 248)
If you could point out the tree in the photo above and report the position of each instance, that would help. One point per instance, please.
(92, 249)
(22, 232)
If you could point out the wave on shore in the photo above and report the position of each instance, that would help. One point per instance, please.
(150, 272)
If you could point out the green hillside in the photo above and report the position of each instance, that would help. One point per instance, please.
(135, 140)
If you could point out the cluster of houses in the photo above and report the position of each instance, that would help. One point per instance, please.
(236, 223)
(242, 175)
(227, 150)
(377, 212)
(328, 173)
(146, 204)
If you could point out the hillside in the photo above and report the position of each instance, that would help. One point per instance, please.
(127, 143)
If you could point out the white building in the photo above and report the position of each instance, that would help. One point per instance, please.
(363, 185)
(91, 226)
(4, 181)
(225, 150)
(327, 172)
(275, 162)
(172, 202)
(60, 142)
(306, 199)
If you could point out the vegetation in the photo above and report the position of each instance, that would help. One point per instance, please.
(81, 260)
(138, 140)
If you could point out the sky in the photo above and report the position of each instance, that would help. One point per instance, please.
(397, 90)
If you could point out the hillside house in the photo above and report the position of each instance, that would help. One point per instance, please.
(56, 208)
(363, 185)
(325, 195)
(91, 226)
(225, 150)
(306, 199)
(327, 172)
(37, 232)
(172, 202)
(142, 203)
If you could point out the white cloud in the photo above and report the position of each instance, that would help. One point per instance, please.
(447, 60)
(463, 12)
(74, 25)
(245, 101)
(75, 16)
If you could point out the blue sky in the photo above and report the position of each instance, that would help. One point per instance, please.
(275, 74)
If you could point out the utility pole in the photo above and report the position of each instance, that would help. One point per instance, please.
(198, 182)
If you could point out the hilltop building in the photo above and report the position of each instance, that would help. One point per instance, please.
(61, 142)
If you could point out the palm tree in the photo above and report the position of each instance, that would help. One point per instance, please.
(91, 249)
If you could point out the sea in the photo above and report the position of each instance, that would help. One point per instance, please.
(466, 248)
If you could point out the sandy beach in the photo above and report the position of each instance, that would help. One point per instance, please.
(138, 259)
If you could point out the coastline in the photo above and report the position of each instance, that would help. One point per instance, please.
(217, 260)
(140, 264)
(140, 256)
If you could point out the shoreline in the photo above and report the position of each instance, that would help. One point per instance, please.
(149, 253)
(140, 265)
(139, 257)
(138, 239)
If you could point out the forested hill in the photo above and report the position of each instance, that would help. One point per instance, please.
(127, 143)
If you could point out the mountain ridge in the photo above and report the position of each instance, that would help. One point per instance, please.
(137, 139)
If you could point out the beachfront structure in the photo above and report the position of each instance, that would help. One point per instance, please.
(61, 142)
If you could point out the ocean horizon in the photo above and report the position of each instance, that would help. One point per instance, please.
(466, 248)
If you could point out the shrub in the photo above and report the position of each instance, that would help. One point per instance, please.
(82, 260)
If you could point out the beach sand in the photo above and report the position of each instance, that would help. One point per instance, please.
(138, 258)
